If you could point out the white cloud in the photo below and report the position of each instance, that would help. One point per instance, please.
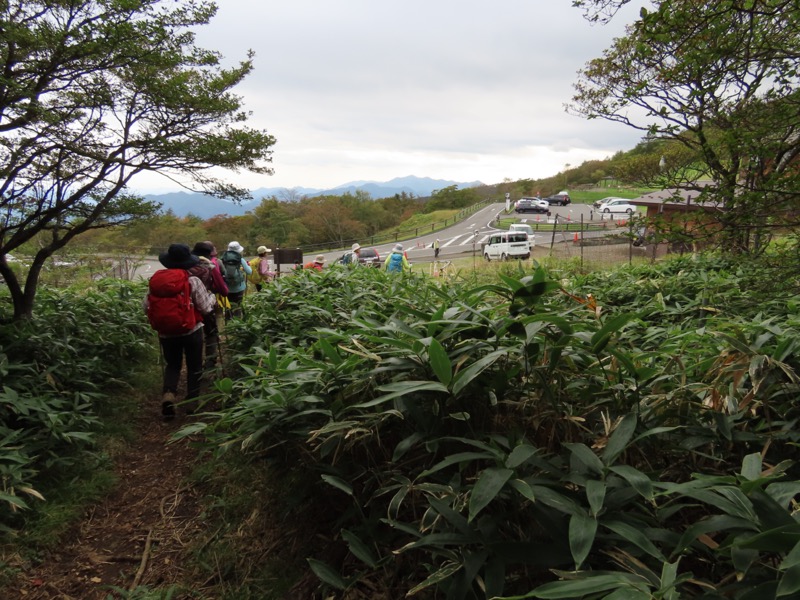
(370, 90)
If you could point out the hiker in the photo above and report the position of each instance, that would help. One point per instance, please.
(397, 262)
(234, 270)
(175, 305)
(351, 258)
(209, 273)
(260, 267)
(317, 264)
(436, 249)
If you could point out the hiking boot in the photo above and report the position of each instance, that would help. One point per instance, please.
(168, 405)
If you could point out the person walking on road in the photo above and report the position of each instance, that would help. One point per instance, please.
(436, 249)
(397, 262)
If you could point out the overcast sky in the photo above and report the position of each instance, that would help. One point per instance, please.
(369, 90)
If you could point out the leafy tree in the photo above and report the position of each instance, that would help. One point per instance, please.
(94, 92)
(277, 222)
(452, 197)
(720, 79)
(330, 218)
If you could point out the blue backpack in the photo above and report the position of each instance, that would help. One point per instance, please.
(395, 263)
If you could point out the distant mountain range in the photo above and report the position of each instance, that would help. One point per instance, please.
(205, 207)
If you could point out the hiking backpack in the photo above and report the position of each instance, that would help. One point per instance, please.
(170, 309)
(232, 270)
(395, 263)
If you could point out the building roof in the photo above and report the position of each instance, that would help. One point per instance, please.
(678, 199)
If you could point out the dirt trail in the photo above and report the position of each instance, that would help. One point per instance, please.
(138, 533)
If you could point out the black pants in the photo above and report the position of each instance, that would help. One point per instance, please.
(174, 348)
(211, 335)
(236, 299)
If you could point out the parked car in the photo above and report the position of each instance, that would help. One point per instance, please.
(502, 246)
(560, 199)
(618, 205)
(599, 203)
(532, 205)
(367, 256)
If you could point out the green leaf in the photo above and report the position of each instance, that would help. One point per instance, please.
(457, 458)
(464, 377)
(440, 362)
(519, 455)
(338, 483)
(595, 494)
(619, 438)
(489, 484)
(523, 488)
(329, 351)
(446, 572)
(635, 536)
(224, 385)
(751, 466)
(789, 583)
(402, 388)
(358, 548)
(601, 337)
(582, 531)
(577, 588)
(638, 480)
(584, 454)
(327, 574)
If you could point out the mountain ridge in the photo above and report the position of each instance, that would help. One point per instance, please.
(182, 204)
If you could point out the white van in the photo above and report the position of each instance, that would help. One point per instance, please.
(521, 227)
(502, 246)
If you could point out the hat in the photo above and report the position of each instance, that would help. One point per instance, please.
(213, 248)
(203, 249)
(262, 250)
(320, 259)
(236, 247)
(398, 248)
(178, 256)
(355, 247)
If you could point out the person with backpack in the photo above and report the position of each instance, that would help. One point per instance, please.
(397, 262)
(260, 267)
(235, 271)
(211, 276)
(351, 258)
(175, 304)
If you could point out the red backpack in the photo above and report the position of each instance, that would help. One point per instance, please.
(170, 310)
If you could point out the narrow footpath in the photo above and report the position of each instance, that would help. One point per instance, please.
(138, 534)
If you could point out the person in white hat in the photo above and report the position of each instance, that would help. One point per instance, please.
(397, 262)
(235, 270)
(317, 264)
(260, 265)
(351, 258)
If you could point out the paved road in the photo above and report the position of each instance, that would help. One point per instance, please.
(459, 239)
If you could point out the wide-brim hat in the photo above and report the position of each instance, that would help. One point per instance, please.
(203, 249)
(178, 256)
(320, 259)
(398, 248)
(236, 247)
(355, 247)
